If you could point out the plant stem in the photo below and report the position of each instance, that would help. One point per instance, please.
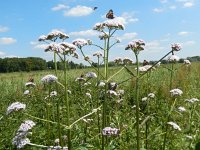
(55, 64)
(67, 103)
(137, 103)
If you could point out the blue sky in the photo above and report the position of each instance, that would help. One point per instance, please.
(158, 22)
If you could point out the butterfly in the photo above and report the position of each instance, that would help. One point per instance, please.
(95, 8)
(109, 15)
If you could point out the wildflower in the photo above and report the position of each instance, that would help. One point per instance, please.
(49, 79)
(103, 36)
(80, 42)
(42, 38)
(176, 92)
(144, 99)
(176, 47)
(173, 58)
(15, 107)
(56, 34)
(80, 79)
(68, 48)
(111, 92)
(87, 83)
(112, 86)
(98, 54)
(114, 24)
(151, 95)
(86, 58)
(158, 64)
(30, 84)
(189, 137)
(20, 140)
(118, 60)
(98, 26)
(120, 92)
(101, 84)
(91, 75)
(88, 95)
(144, 68)
(26, 126)
(26, 92)
(69, 92)
(20, 143)
(192, 100)
(53, 94)
(57, 141)
(174, 125)
(127, 60)
(54, 47)
(110, 131)
(137, 45)
(119, 100)
(187, 62)
(181, 109)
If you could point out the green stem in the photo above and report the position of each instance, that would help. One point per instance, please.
(55, 64)
(48, 117)
(137, 103)
(67, 103)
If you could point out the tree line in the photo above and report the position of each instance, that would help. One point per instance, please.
(36, 63)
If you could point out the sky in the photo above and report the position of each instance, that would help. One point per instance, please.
(158, 22)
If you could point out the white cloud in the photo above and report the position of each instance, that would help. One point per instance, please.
(153, 46)
(184, 33)
(79, 11)
(188, 43)
(188, 4)
(172, 7)
(86, 33)
(158, 10)
(2, 53)
(40, 46)
(7, 40)
(3, 29)
(128, 36)
(163, 1)
(59, 7)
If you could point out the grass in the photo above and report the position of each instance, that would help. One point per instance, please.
(85, 135)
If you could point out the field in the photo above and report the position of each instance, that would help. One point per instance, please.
(86, 133)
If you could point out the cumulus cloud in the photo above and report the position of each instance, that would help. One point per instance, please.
(2, 53)
(158, 10)
(128, 36)
(7, 40)
(86, 33)
(59, 7)
(188, 4)
(154, 46)
(3, 29)
(78, 11)
(184, 33)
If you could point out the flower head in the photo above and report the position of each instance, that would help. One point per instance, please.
(30, 84)
(187, 62)
(176, 47)
(15, 107)
(110, 131)
(53, 94)
(26, 92)
(127, 61)
(181, 109)
(80, 42)
(174, 125)
(118, 60)
(91, 75)
(88, 95)
(68, 48)
(173, 58)
(49, 79)
(98, 54)
(26, 126)
(176, 92)
(137, 45)
(192, 100)
(151, 95)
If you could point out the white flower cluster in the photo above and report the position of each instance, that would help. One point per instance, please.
(149, 96)
(53, 36)
(127, 60)
(88, 95)
(30, 84)
(20, 140)
(118, 60)
(192, 100)
(111, 92)
(64, 48)
(110, 24)
(173, 58)
(49, 79)
(101, 84)
(110, 131)
(91, 75)
(26, 92)
(81, 42)
(53, 94)
(15, 107)
(176, 47)
(144, 68)
(187, 62)
(137, 45)
(181, 109)
(98, 54)
(176, 92)
(56, 148)
(174, 125)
